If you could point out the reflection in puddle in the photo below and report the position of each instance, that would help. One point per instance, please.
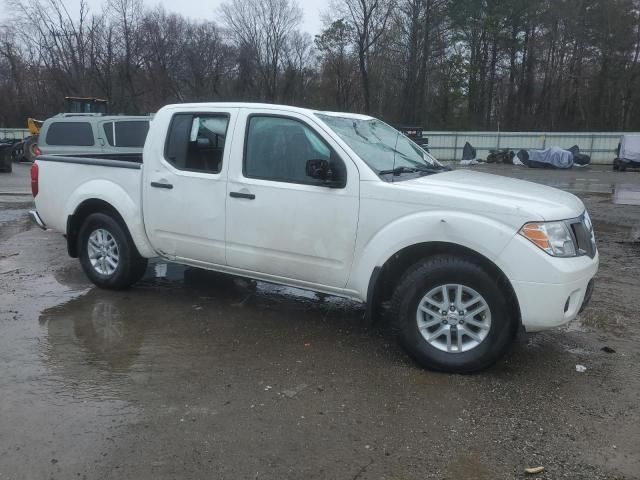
(626, 194)
(176, 308)
(160, 270)
(91, 332)
(595, 181)
(580, 185)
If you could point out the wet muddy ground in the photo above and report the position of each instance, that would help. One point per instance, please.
(197, 375)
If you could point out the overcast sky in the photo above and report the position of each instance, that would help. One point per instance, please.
(208, 9)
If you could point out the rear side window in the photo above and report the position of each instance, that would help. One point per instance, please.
(70, 134)
(126, 133)
(131, 133)
(195, 142)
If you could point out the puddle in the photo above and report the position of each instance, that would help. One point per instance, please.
(583, 186)
(626, 194)
(13, 221)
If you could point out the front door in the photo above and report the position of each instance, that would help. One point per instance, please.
(185, 187)
(280, 222)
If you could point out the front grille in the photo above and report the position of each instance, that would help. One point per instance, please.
(583, 235)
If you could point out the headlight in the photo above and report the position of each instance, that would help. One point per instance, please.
(552, 237)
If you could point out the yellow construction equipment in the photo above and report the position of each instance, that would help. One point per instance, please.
(34, 126)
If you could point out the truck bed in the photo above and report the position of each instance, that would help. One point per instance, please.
(68, 180)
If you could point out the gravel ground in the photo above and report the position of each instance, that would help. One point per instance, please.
(195, 375)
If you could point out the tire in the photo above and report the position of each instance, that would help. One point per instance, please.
(106, 271)
(498, 326)
(5, 162)
(29, 147)
(16, 152)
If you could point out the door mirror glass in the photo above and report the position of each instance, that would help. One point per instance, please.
(319, 169)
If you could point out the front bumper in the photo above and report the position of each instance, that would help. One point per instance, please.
(35, 218)
(550, 291)
(548, 305)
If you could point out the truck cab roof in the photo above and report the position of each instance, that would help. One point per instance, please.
(266, 106)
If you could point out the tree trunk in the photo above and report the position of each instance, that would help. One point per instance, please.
(364, 77)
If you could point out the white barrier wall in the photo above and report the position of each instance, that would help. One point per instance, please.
(14, 133)
(601, 146)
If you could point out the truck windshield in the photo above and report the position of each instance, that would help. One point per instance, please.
(383, 148)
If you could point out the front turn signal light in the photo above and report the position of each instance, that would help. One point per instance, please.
(552, 237)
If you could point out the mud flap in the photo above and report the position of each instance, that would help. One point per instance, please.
(372, 309)
(587, 295)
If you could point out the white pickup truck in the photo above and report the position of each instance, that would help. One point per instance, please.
(336, 203)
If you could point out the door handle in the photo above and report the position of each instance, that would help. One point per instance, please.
(167, 186)
(248, 196)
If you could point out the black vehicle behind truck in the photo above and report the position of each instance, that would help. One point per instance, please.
(6, 148)
(415, 134)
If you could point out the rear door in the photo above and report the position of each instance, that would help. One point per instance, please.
(184, 190)
(280, 222)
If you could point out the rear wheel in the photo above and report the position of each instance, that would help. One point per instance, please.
(30, 149)
(16, 152)
(107, 253)
(452, 315)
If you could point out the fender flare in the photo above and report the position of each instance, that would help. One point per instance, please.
(115, 196)
(483, 235)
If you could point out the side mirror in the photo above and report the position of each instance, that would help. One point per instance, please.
(322, 170)
(203, 142)
(319, 169)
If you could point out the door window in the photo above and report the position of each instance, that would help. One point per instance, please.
(278, 148)
(70, 134)
(195, 142)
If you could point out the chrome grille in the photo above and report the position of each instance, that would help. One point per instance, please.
(583, 235)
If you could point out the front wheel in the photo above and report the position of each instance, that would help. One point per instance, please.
(452, 315)
(107, 254)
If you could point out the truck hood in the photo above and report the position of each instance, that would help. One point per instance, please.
(497, 194)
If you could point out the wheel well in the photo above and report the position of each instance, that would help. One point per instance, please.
(75, 221)
(384, 279)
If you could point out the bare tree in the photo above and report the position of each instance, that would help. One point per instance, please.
(369, 19)
(338, 65)
(59, 39)
(263, 27)
(448, 64)
(126, 16)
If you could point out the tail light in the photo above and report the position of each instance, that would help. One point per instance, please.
(34, 179)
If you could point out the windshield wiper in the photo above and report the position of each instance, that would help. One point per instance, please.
(417, 169)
